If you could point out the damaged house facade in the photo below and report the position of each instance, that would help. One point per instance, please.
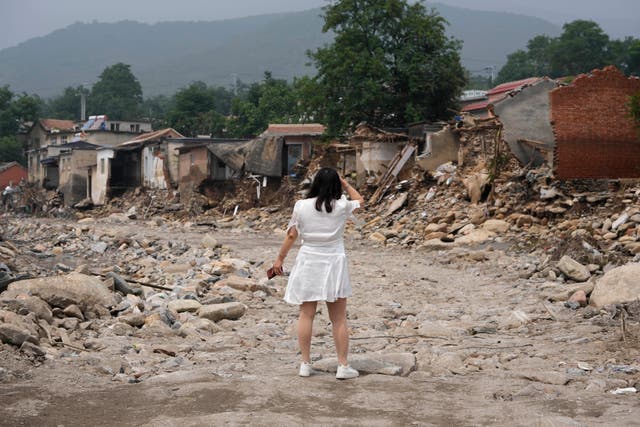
(149, 160)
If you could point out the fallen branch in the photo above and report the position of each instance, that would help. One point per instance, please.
(149, 285)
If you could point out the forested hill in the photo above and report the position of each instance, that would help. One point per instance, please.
(169, 55)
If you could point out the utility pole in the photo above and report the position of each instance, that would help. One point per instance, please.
(83, 106)
(491, 69)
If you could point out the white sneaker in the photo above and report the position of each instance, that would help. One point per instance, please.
(305, 369)
(346, 372)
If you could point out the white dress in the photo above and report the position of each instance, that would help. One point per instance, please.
(320, 272)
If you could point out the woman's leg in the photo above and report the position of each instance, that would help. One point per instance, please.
(338, 317)
(305, 327)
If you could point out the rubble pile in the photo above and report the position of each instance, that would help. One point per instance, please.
(79, 303)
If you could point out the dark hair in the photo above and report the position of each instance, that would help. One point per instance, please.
(326, 186)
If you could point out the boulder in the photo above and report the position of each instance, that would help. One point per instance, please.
(239, 283)
(216, 312)
(31, 304)
(617, 286)
(475, 237)
(573, 269)
(497, 226)
(11, 334)
(62, 291)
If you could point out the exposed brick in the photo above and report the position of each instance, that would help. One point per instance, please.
(595, 136)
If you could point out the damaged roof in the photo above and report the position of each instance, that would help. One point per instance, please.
(500, 92)
(265, 156)
(151, 136)
(231, 153)
(311, 129)
(365, 131)
(79, 145)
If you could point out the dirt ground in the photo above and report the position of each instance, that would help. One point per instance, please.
(489, 350)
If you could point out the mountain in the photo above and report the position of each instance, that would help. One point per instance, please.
(169, 55)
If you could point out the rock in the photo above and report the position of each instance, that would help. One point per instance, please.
(621, 220)
(497, 226)
(62, 291)
(556, 378)
(573, 269)
(475, 237)
(377, 237)
(136, 319)
(561, 292)
(467, 229)
(475, 185)
(121, 285)
(201, 324)
(176, 268)
(396, 204)
(209, 242)
(11, 334)
(216, 312)
(579, 297)
(183, 305)
(240, 283)
(30, 349)
(617, 286)
(99, 247)
(30, 304)
(73, 311)
(168, 350)
(400, 364)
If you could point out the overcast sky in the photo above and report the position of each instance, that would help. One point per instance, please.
(21, 20)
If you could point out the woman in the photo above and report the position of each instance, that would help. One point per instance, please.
(320, 272)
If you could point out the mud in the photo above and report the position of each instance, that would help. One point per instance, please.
(478, 360)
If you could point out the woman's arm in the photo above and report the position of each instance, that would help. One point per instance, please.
(352, 192)
(289, 240)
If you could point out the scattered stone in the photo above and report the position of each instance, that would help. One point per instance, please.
(400, 364)
(31, 349)
(216, 312)
(73, 311)
(573, 269)
(579, 297)
(121, 284)
(183, 305)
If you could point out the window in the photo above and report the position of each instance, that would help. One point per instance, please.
(132, 127)
(63, 139)
(53, 139)
(117, 127)
(102, 166)
(294, 155)
(138, 128)
(113, 127)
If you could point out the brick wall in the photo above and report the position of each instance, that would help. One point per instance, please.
(595, 137)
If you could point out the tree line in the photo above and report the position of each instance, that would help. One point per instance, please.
(582, 47)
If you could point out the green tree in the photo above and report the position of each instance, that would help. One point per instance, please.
(17, 112)
(156, 110)
(519, 66)
(199, 109)
(11, 150)
(269, 101)
(117, 93)
(390, 63)
(581, 47)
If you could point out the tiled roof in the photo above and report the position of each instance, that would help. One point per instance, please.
(63, 125)
(500, 92)
(475, 106)
(509, 86)
(288, 129)
(5, 166)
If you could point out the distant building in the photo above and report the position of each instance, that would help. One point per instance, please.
(45, 137)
